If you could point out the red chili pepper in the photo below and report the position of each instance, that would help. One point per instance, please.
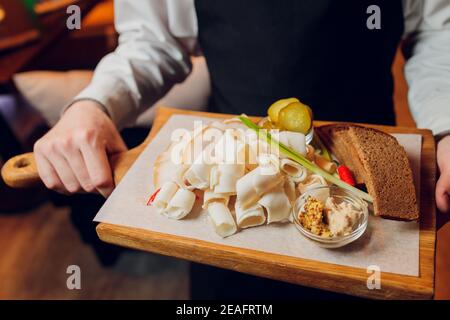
(153, 196)
(346, 175)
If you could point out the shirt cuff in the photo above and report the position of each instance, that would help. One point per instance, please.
(442, 135)
(436, 116)
(76, 99)
(112, 103)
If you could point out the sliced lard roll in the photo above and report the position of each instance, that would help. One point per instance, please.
(211, 135)
(295, 171)
(250, 217)
(221, 218)
(202, 141)
(269, 163)
(254, 184)
(291, 193)
(251, 150)
(167, 171)
(229, 149)
(180, 205)
(170, 165)
(257, 148)
(277, 205)
(198, 174)
(218, 125)
(289, 189)
(227, 175)
(230, 154)
(235, 123)
(179, 150)
(251, 157)
(187, 173)
(214, 177)
(226, 183)
(186, 145)
(164, 196)
(219, 213)
(257, 145)
(311, 184)
(294, 140)
(210, 196)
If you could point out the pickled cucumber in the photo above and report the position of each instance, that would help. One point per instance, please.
(276, 107)
(295, 117)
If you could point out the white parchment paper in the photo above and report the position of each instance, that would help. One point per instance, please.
(391, 245)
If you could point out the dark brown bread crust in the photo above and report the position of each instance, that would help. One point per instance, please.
(383, 164)
(337, 140)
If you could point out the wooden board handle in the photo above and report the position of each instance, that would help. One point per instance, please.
(21, 171)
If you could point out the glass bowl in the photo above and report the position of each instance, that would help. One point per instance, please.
(310, 135)
(340, 195)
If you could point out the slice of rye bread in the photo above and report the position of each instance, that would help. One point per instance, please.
(338, 141)
(385, 167)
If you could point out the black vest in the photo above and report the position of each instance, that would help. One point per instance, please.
(320, 51)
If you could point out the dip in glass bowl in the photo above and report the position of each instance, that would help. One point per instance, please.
(330, 216)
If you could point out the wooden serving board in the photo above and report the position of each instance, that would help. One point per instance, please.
(309, 273)
(299, 271)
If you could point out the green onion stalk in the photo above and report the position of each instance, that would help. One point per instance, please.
(300, 159)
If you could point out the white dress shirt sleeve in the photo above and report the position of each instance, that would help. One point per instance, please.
(427, 70)
(156, 39)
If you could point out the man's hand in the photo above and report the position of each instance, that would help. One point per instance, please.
(443, 184)
(73, 155)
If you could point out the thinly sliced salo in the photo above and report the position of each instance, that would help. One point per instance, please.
(221, 218)
(164, 196)
(231, 167)
(254, 184)
(297, 172)
(210, 196)
(250, 217)
(277, 205)
(198, 174)
(180, 205)
(289, 189)
(294, 140)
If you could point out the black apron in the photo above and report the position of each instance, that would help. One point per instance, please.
(320, 51)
